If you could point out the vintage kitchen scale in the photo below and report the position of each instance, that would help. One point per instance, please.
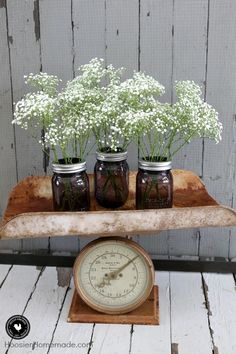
(114, 281)
(114, 276)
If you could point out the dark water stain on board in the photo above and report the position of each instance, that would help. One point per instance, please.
(63, 276)
(36, 20)
(174, 348)
(2, 3)
(215, 350)
(10, 38)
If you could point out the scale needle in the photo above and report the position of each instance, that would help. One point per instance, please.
(113, 274)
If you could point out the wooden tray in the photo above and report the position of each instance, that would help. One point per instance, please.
(146, 314)
(29, 212)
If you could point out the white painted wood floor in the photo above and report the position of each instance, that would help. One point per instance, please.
(197, 314)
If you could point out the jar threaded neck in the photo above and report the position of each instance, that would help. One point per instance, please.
(69, 168)
(154, 166)
(111, 157)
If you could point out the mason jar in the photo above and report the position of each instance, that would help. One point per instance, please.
(70, 186)
(111, 177)
(154, 185)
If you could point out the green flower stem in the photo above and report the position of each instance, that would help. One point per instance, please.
(116, 188)
(67, 197)
(55, 154)
(111, 181)
(158, 142)
(91, 148)
(148, 189)
(152, 146)
(144, 148)
(184, 143)
(46, 152)
(75, 149)
(106, 185)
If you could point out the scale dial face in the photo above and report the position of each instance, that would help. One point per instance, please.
(113, 275)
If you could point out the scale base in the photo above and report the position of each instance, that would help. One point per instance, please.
(146, 314)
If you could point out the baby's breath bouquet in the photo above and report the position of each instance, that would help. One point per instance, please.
(36, 110)
(167, 128)
(116, 124)
(118, 116)
(66, 118)
(76, 106)
(164, 131)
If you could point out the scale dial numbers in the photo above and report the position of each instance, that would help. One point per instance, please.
(113, 275)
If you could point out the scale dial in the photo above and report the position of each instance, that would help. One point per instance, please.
(113, 275)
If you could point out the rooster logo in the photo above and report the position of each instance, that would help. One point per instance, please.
(17, 327)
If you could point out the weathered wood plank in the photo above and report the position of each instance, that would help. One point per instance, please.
(122, 46)
(11, 245)
(189, 63)
(160, 43)
(4, 270)
(155, 244)
(56, 42)
(43, 310)
(14, 295)
(232, 244)
(156, 41)
(24, 31)
(83, 241)
(23, 24)
(189, 321)
(211, 246)
(156, 60)
(56, 38)
(221, 301)
(122, 34)
(88, 18)
(38, 244)
(219, 160)
(8, 174)
(83, 38)
(183, 242)
(111, 339)
(76, 333)
(66, 244)
(155, 339)
(232, 231)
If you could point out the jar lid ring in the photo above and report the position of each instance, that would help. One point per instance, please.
(155, 166)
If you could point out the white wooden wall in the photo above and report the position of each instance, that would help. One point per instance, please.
(169, 39)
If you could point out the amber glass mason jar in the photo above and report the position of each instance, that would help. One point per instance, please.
(111, 177)
(70, 186)
(154, 185)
